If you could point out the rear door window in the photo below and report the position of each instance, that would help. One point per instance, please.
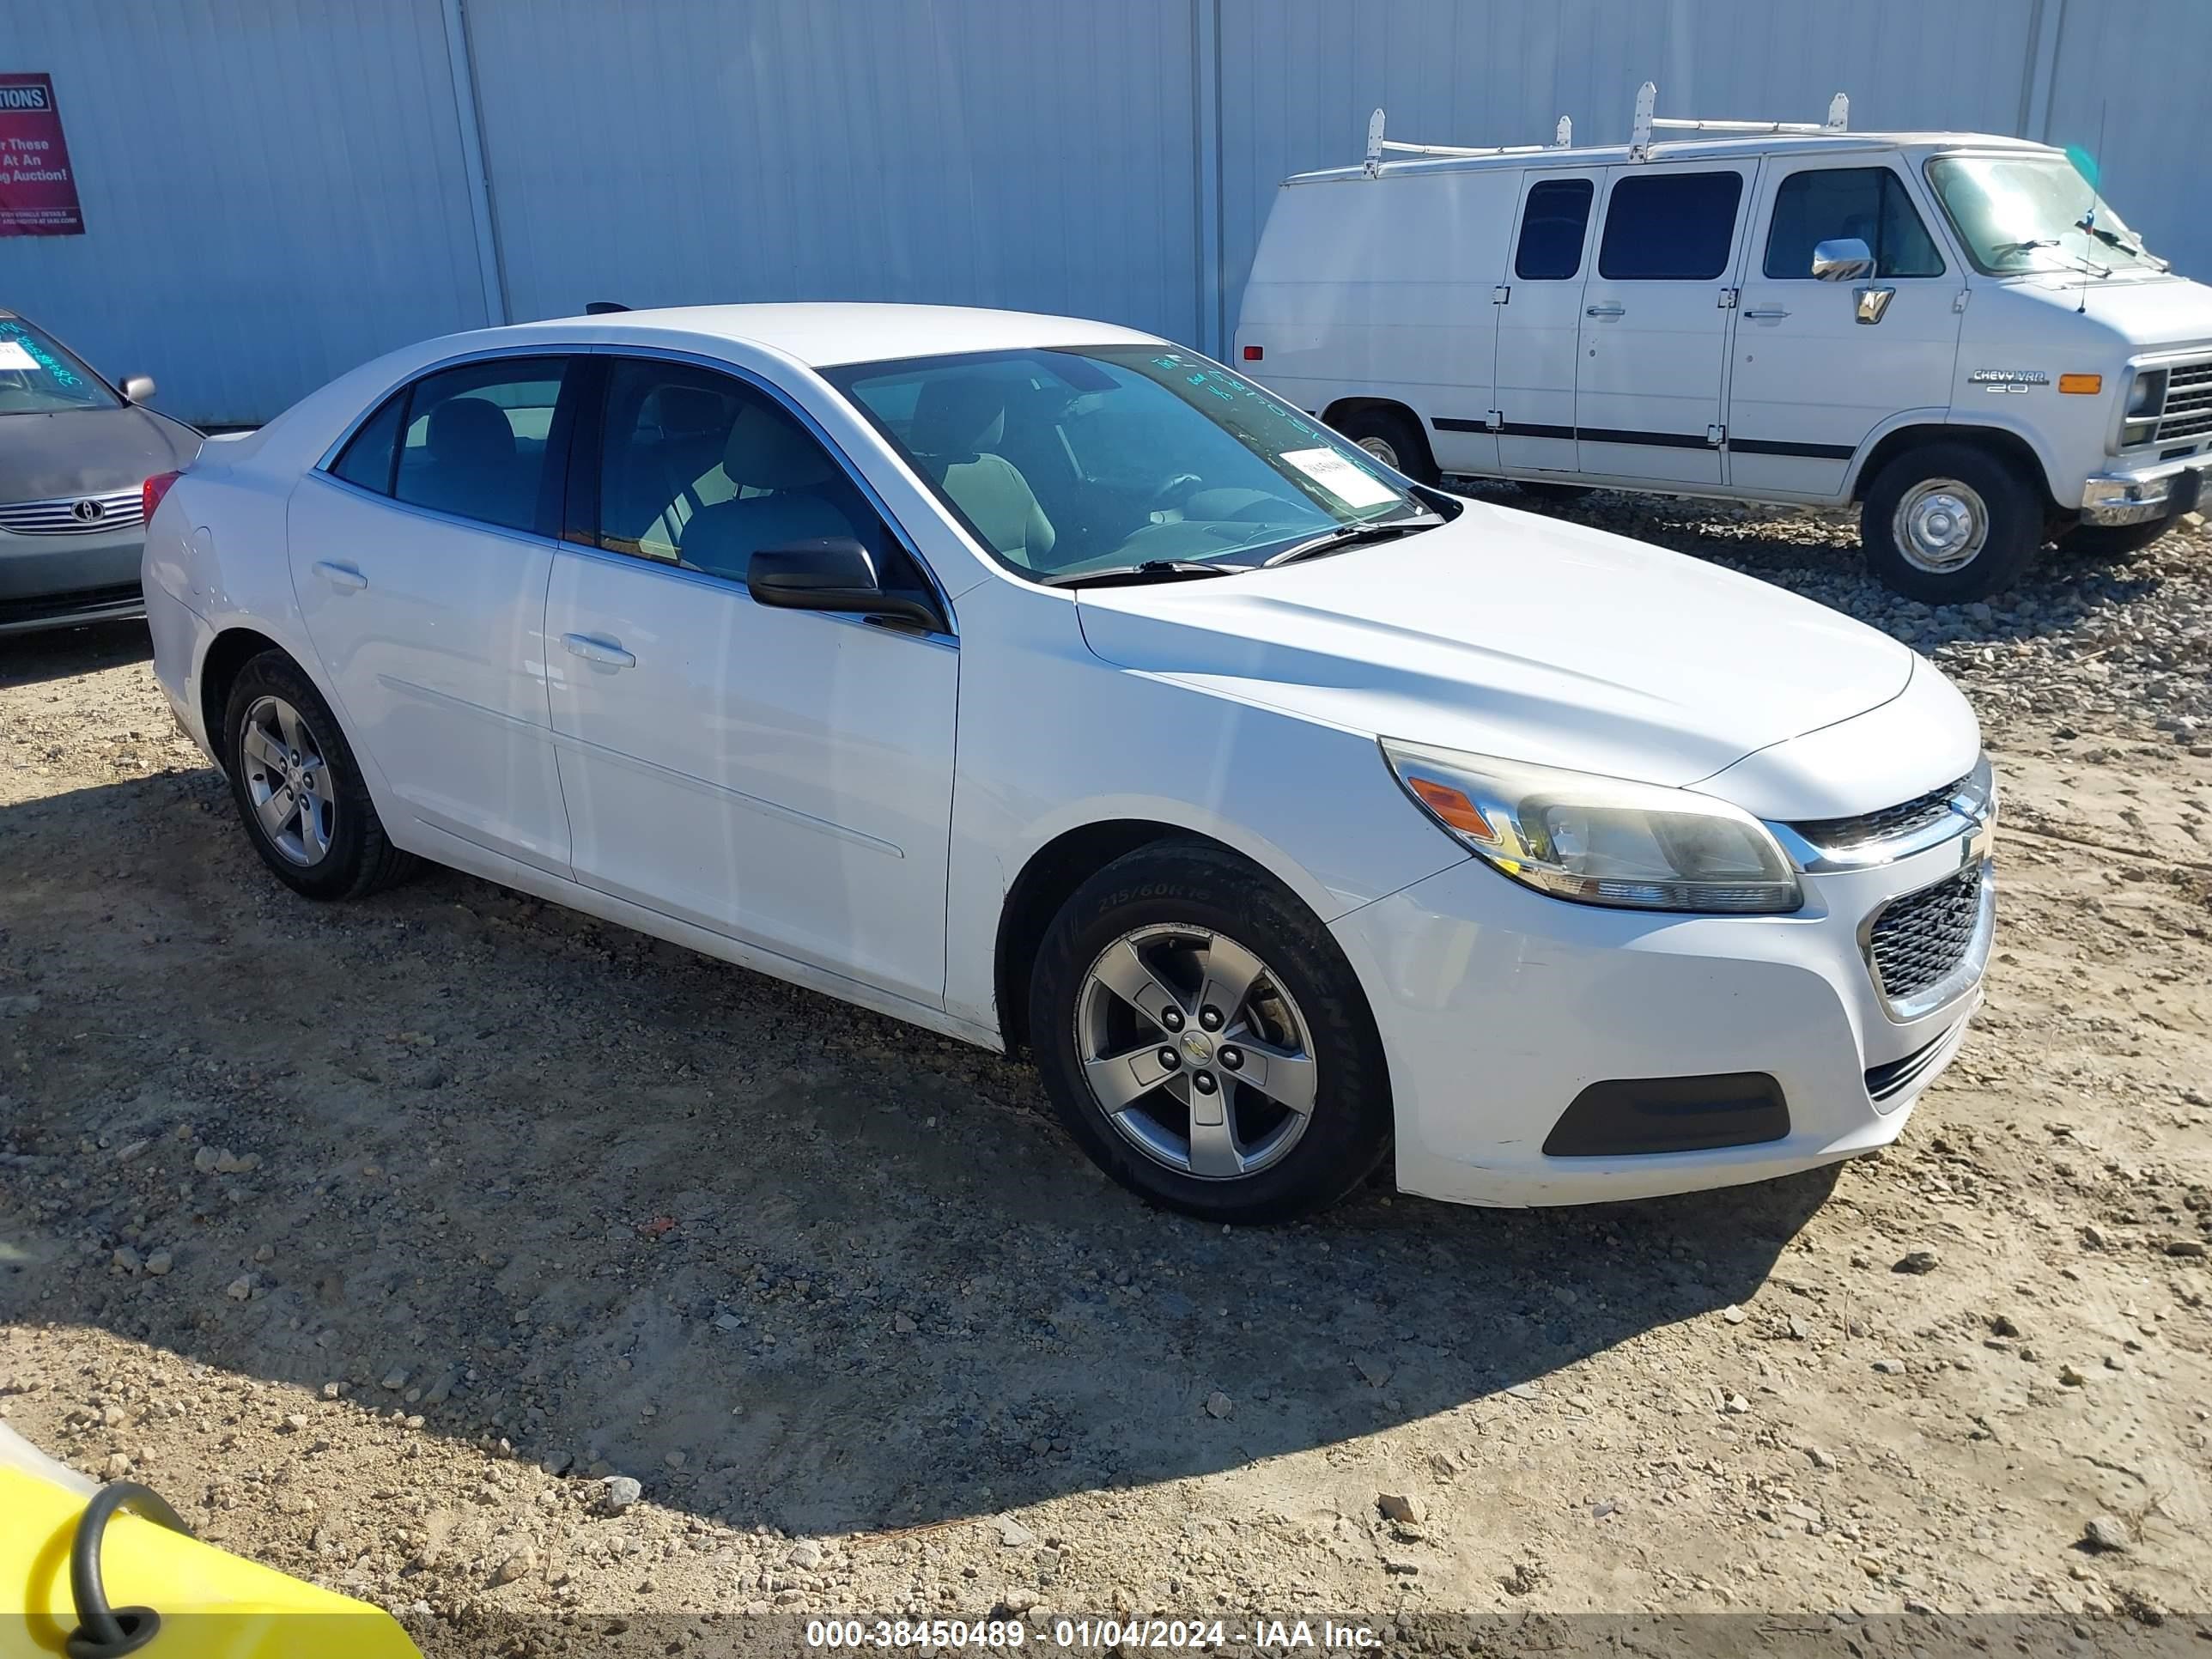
(1553, 224)
(1670, 228)
(477, 443)
(1823, 205)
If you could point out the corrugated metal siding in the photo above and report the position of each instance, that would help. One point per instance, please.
(275, 188)
(272, 192)
(2140, 69)
(985, 152)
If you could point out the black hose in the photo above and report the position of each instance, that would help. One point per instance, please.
(103, 1633)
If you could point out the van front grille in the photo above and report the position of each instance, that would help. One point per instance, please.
(2188, 404)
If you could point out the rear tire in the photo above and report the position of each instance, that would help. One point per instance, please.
(2113, 541)
(1392, 438)
(299, 790)
(1256, 1018)
(1947, 523)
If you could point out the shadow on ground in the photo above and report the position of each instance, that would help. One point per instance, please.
(61, 653)
(612, 1202)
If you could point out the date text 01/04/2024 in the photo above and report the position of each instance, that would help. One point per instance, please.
(1083, 1633)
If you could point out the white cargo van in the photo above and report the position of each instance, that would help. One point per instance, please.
(1952, 330)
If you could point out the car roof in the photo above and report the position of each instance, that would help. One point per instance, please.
(1733, 147)
(822, 335)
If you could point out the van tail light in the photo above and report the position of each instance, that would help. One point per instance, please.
(1254, 353)
(150, 494)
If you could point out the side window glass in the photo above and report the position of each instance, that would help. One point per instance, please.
(368, 457)
(476, 439)
(1553, 226)
(1669, 227)
(701, 469)
(1823, 205)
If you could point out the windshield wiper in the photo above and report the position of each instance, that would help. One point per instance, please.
(1346, 536)
(1152, 570)
(2119, 244)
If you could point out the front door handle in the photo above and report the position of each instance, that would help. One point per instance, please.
(1603, 311)
(598, 651)
(1767, 314)
(344, 577)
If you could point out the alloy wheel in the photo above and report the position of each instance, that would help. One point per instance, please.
(287, 781)
(1195, 1052)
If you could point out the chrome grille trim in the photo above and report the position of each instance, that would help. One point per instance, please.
(1927, 948)
(1891, 833)
(119, 509)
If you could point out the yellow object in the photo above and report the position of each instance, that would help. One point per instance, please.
(212, 1605)
(2091, 384)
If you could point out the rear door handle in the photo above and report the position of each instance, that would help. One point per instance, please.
(344, 577)
(1603, 311)
(1767, 314)
(599, 651)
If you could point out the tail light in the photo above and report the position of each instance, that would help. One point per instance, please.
(150, 493)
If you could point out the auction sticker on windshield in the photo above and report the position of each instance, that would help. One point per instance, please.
(1340, 478)
(12, 356)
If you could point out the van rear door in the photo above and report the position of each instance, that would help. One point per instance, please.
(1655, 322)
(1819, 365)
(1540, 326)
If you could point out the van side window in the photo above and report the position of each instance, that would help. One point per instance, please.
(1670, 228)
(1553, 226)
(1823, 205)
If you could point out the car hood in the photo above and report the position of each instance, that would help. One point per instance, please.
(88, 452)
(1512, 636)
(2145, 312)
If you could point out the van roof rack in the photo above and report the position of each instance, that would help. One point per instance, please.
(1640, 144)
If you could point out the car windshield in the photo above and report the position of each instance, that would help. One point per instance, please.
(38, 376)
(2033, 213)
(1076, 460)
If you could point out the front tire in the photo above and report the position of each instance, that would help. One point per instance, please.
(1206, 1041)
(1392, 438)
(1949, 523)
(2113, 541)
(299, 790)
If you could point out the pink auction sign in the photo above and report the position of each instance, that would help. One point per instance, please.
(38, 191)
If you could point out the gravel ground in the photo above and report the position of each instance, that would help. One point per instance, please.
(535, 1278)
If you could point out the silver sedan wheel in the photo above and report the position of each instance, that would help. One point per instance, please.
(1941, 526)
(1195, 1052)
(287, 781)
(1382, 449)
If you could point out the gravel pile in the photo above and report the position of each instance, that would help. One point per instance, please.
(2120, 647)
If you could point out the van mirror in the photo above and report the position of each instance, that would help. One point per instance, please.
(1847, 259)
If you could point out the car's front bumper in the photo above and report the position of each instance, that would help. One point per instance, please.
(2160, 490)
(1498, 1006)
(64, 581)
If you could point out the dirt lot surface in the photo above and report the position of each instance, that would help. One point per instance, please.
(379, 1238)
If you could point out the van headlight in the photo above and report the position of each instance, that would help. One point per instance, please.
(1601, 840)
(2146, 403)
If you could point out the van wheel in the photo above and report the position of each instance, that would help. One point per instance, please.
(1205, 1040)
(299, 792)
(1392, 439)
(2112, 541)
(1947, 523)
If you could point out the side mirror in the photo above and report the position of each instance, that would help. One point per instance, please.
(1847, 259)
(139, 388)
(832, 574)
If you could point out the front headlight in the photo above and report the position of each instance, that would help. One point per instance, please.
(2146, 402)
(1601, 840)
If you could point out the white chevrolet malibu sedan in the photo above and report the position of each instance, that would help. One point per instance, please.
(1051, 686)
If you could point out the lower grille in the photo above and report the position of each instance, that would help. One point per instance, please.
(60, 607)
(74, 515)
(1897, 1075)
(1917, 940)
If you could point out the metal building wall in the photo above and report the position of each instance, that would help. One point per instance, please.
(272, 190)
(983, 152)
(278, 189)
